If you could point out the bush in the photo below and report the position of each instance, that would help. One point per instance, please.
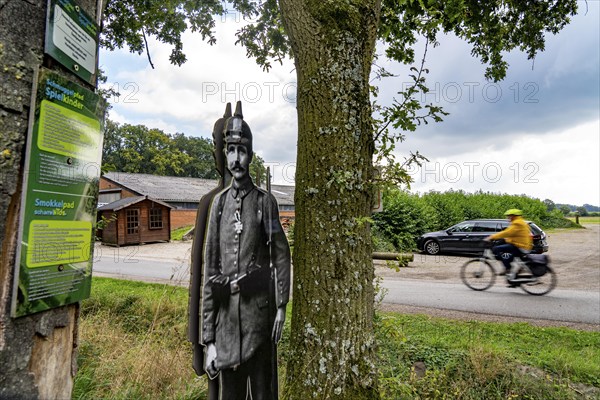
(556, 219)
(380, 242)
(404, 219)
(406, 216)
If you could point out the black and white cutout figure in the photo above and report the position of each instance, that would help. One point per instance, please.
(247, 278)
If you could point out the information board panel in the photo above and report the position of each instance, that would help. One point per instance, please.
(58, 218)
(72, 38)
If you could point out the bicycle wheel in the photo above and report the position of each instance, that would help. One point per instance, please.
(478, 274)
(544, 284)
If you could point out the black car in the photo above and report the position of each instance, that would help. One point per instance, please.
(467, 237)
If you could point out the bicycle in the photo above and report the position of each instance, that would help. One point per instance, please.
(531, 272)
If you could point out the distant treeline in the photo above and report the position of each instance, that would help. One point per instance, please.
(407, 215)
(587, 207)
(567, 209)
(139, 149)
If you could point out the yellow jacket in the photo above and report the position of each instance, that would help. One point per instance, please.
(517, 233)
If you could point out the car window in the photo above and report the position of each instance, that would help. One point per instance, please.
(485, 226)
(536, 230)
(463, 227)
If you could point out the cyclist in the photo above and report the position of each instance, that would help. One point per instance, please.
(517, 237)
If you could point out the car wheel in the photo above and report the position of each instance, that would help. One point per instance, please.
(432, 247)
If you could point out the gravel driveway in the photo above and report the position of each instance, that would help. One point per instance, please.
(574, 254)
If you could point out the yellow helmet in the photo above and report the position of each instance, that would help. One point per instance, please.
(513, 211)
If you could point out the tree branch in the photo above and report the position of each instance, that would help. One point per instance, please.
(147, 50)
(413, 86)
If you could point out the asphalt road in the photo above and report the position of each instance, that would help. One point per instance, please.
(148, 270)
(559, 305)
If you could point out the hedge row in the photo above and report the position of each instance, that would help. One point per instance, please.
(408, 215)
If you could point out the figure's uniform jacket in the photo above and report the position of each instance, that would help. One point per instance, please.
(239, 326)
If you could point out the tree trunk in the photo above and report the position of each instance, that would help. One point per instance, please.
(332, 340)
(37, 352)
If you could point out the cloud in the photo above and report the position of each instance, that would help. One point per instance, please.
(556, 90)
(190, 98)
(562, 166)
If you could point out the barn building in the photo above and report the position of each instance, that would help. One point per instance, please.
(124, 194)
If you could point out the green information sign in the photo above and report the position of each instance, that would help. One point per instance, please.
(60, 195)
(72, 38)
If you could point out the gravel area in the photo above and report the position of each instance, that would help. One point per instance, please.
(574, 254)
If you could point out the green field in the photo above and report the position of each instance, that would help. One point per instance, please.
(587, 220)
(132, 345)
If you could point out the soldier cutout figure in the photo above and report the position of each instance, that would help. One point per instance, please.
(247, 278)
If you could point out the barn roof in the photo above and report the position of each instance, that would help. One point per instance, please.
(128, 201)
(284, 194)
(165, 188)
(181, 189)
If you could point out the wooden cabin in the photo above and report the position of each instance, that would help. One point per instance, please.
(135, 220)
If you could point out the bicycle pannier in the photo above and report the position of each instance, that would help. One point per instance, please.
(538, 264)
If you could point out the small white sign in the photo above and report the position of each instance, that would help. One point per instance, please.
(75, 42)
(378, 205)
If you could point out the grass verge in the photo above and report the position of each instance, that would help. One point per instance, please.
(133, 344)
(177, 234)
(483, 360)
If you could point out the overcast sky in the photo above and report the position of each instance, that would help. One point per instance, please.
(535, 133)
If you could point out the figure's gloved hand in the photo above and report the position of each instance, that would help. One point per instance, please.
(278, 325)
(219, 285)
(219, 280)
(209, 363)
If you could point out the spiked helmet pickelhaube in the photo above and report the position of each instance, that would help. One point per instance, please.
(219, 142)
(237, 130)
